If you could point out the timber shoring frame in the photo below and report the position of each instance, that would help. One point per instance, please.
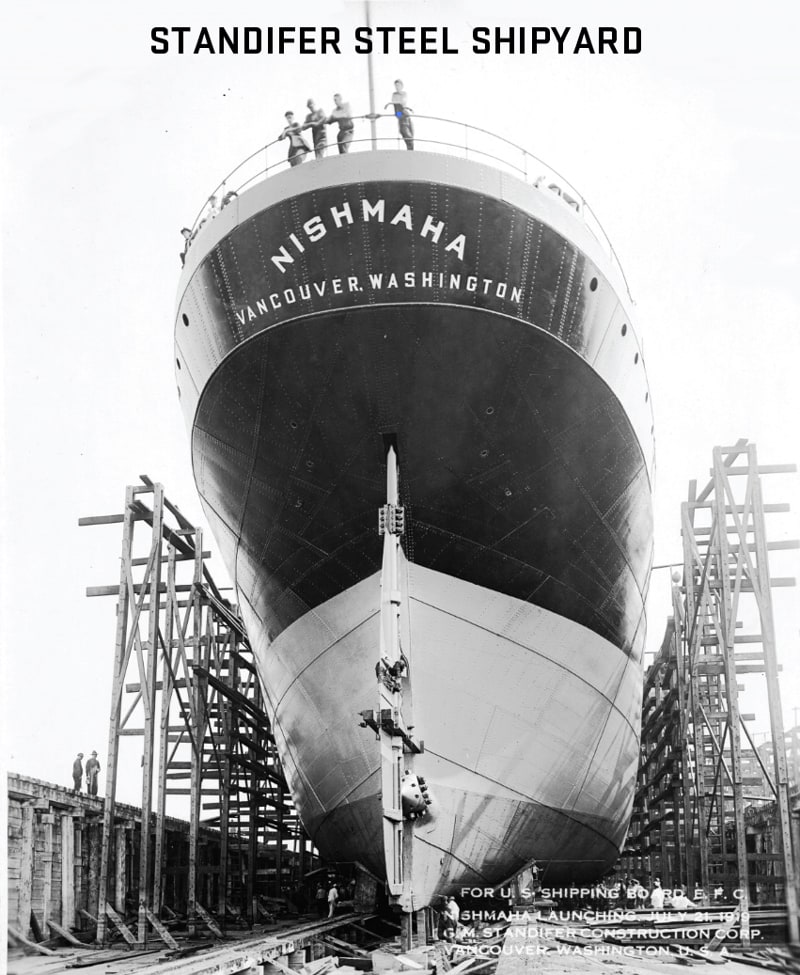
(698, 782)
(184, 668)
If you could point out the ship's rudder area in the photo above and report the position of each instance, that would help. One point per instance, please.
(529, 724)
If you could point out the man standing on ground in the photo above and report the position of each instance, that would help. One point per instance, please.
(92, 769)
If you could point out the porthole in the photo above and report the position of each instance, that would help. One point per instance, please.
(309, 465)
(489, 410)
(185, 318)
(293, 424)
(484, 452)
(508, 492)
(624, 328)
(593, 284)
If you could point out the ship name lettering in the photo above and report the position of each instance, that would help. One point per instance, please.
(315, 228)
(378, 281)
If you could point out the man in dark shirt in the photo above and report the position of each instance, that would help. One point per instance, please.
(77, 772)
(298, 147)
(92, 768)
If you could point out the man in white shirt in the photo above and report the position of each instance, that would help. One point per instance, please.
(333, 898)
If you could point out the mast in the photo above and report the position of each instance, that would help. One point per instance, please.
(371, 83)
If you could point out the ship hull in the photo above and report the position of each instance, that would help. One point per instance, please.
(476, 324)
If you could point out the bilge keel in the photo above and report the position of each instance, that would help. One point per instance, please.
(419, 322)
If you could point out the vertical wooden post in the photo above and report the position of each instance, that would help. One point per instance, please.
(120, 664)
(406, 936)
(727, 622)
(95, 837)
(148, 680)
(120, 868)
(228, 731)
(252, 860)
(25, 871)
(47, 860)
(198, 723)
(67, 871)
(421, 938)
(762, 586)
(78, 827)
(167, 671)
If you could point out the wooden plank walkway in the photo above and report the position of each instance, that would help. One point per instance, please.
(232, 956)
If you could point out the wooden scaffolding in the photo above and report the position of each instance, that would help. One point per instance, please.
(186, 696)
(700, 770)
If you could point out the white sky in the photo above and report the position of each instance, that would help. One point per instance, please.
(688, 152)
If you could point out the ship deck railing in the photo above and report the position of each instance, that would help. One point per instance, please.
(449, 137)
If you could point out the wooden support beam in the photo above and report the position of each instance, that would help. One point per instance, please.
(25, 872)
(208, 920)
(66, 935)
(67, 870)
(160, 930)
(120, 866)
(120, 925)
(47, 861)
(20, 939)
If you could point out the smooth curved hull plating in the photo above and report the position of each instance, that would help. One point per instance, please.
(478, 322)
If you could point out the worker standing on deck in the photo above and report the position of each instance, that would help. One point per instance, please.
(315, 120)
(92, 770)
(344, 118)
(321, 898)
(298, 147)
(333, 898)
(400, 104)
(77, 772)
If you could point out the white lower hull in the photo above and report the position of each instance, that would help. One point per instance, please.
(530, 725)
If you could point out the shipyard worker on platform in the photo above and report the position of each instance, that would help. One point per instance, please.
(333, 899)
(657, 896)
(680, 901)
(401, 110)
(321, 898)
(344, 117)
(92, 770)
(298, 147)
(315, 120)
(77, 772)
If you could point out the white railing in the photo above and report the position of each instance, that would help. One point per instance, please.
(445, 135)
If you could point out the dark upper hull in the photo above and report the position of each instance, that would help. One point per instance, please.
(524, 432)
